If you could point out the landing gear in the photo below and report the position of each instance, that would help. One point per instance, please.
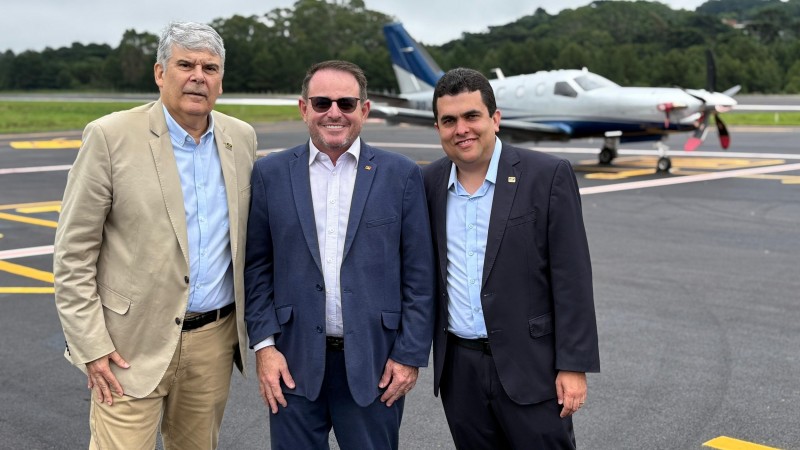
(664, 162)
(609, 150)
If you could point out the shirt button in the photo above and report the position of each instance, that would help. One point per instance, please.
(471, 281)
(471, 253)
(476, 309)
(333, 201)
(471, 226)
(330, 230)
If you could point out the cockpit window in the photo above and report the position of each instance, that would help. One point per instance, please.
(591, 81)
(563, 88)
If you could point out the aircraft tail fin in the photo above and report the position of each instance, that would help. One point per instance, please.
(414, 68)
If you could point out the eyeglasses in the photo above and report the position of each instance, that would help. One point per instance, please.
(322, 104)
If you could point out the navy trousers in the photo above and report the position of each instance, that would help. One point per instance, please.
(306, 424)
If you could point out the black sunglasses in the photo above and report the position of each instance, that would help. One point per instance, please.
(322, 104)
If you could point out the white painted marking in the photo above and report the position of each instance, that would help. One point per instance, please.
(687, 179)
(24, 252)
(34, 169)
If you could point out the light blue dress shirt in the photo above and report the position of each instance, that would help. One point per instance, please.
(207, 225)
(467, 229)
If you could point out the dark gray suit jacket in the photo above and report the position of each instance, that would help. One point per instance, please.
(536, 290)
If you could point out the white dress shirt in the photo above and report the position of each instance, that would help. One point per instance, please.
(331, 194)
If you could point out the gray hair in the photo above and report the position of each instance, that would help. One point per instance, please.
(190, 36)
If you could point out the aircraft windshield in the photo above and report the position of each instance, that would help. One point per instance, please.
(591, 81)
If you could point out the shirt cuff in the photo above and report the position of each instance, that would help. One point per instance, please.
(268, 342)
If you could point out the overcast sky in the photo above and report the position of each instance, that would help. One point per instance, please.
(36, 24)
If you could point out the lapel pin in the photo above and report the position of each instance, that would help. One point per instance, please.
(228, 146)
(367, 167)
(512, 179)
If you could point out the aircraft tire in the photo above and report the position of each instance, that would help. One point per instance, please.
(664, 164)
(606, 156)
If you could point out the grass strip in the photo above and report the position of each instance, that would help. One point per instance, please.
(30, 117)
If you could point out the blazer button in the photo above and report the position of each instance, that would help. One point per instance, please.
(319, 329)
(177, 321)
(319, 287)
(186, 279)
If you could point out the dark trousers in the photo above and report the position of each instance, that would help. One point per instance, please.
(481, 416)
(304, 424)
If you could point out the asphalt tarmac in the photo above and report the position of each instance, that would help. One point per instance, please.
(696, 272)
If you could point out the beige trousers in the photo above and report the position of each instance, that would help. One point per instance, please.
(188, 402)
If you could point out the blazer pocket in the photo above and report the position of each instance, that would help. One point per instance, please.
(113, 301)
(381, 222)
(541, 326)
(284, 314)
(391, 319)
(525, 218)
(245, 193)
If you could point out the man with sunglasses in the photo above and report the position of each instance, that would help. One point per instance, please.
(338, 275)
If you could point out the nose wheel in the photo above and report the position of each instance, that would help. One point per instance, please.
(664, 162)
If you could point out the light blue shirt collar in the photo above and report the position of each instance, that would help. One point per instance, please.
(179, 136)
(491, 172)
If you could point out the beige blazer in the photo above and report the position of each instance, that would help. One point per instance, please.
(121, 260)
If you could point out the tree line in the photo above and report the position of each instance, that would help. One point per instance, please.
(641, 43)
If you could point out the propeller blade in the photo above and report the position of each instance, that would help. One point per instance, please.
(724, 135)
(711, 72)
(699, 134)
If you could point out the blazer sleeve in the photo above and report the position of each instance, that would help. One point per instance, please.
(259, 306)
(79, 235)
(413, 344)
(576, 346)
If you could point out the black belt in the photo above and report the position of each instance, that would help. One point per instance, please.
(333, 343)
(207, 317)
(472, 344)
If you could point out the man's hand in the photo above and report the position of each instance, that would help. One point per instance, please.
(102, 379)
(271, 367)
(399, 378)
(571, 391)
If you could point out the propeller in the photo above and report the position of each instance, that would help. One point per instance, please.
(701, 131)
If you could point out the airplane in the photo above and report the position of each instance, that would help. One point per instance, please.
(564, 104)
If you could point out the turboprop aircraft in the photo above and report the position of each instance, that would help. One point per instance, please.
(564, 104)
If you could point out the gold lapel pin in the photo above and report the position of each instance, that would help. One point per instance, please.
(367, 167)
(229, 146)
(512, 179)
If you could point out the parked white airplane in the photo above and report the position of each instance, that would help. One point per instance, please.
(564, 104)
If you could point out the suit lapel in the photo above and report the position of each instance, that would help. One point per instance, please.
(439, 208)
(504, 192)
(168, 177)
(301, 192)
(227, 159)
(365, 174)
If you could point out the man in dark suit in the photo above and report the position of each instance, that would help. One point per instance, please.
(339, 275)
(515, 325)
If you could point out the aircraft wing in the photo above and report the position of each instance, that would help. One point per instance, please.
(510, 130)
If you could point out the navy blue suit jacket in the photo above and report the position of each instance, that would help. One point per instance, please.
(536, 290)
(387, 276)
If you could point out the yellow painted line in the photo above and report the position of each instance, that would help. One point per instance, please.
(27, 290)
(30, 220)
(619, 175)
(18, 206)
(784, 179)
(726, 443)
(40, 209)
(46, 145)
(26, 272)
